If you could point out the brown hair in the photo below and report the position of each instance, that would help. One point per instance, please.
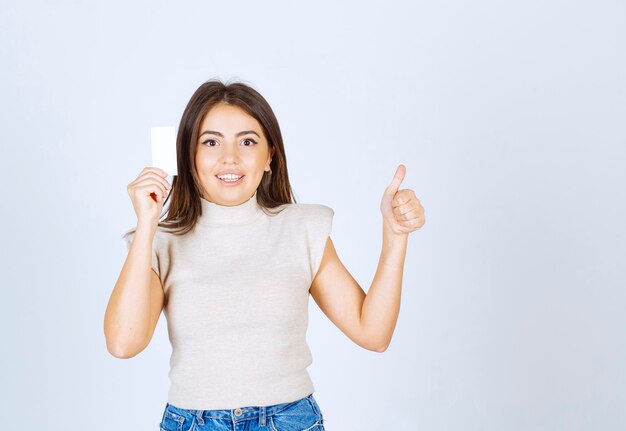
(274, 190)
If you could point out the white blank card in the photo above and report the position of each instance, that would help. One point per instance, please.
(164, 149)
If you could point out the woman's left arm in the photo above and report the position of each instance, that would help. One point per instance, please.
(370, 319)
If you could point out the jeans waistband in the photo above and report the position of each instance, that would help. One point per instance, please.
(236, 414)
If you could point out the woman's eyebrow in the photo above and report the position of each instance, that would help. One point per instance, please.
(213, 132)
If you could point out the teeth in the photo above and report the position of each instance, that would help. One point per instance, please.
(229, 177)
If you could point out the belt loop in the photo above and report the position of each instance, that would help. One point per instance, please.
(262, 416)
(200, 417)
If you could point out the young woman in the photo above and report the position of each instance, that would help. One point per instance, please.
(232, 266)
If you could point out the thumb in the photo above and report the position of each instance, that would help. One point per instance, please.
(397, 179)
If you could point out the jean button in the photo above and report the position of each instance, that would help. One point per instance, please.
(238, 412)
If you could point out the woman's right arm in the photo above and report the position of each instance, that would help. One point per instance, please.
(137, 299)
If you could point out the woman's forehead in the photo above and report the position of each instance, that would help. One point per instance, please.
(226, 116)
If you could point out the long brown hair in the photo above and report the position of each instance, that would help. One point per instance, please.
(274, 190)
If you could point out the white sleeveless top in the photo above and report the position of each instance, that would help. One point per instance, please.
(237, 291)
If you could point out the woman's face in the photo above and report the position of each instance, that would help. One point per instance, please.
(231, 142)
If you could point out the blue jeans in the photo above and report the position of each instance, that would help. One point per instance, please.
(300, 415)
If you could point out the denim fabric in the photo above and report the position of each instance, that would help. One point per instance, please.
(301, 415)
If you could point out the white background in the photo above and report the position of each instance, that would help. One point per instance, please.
(510, 119)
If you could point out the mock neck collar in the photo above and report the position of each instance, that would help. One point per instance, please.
(243, 213)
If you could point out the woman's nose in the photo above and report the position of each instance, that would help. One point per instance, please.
(230, 152)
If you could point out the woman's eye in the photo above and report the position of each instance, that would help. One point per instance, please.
(249, 140)
(209, 142)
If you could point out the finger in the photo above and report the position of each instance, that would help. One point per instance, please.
(403, 197)
(159, 171)
(150, 189)
(149, 184)
(413, 223)
(403, 208)
(157, 177)
(157, 181)
(407, 214)
(396, 181)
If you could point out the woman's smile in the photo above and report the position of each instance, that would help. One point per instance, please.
(230, 180)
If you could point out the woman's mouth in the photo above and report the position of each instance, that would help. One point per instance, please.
(230, 180)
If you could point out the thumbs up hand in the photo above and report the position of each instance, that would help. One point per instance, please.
(402, 211)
